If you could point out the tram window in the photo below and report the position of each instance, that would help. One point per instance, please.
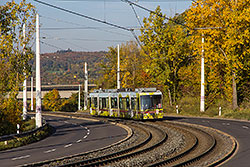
(104, 105)
(100, 103)
(151, 102)
(127, 102)
(121, 106)
(156, 101)
(138, 104)
(95, 101)
(133, 103)
(113, 102)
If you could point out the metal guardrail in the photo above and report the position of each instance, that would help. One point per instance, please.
(24, 134)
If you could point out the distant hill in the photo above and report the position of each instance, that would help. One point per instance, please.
(67, 67)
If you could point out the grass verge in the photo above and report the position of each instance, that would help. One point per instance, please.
(190, 106)
(37, 136)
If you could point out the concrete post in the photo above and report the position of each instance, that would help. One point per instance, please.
(38, 79)
(24, 84)
(202, 104)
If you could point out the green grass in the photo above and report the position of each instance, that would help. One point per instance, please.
(241, 114)
(28, 125)
(190, 106)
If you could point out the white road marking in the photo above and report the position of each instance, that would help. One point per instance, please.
(78, 141)
(22, 157)
(85, 137)
(68, 145)
(49, 151)
(87, 133)
(66, 122)
(245, 127)
(86, 127)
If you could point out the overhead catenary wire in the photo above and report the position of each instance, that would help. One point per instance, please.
(82, 26)
(90, 18)
(82, 15)
(61, 39)
(164, 1)
(50, 45)
(84, 39)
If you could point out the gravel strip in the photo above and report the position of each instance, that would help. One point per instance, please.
(175, 143)
(224, 145)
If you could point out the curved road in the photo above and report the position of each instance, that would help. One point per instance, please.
(72, 136)
(239, 129)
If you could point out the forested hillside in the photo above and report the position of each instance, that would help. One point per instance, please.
(67, 67)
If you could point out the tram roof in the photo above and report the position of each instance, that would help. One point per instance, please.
(125, 92)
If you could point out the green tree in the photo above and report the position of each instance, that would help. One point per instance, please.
(166, 48)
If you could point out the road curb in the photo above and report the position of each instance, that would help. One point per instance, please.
(203, 117)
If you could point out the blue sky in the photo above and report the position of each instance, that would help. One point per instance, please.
(61, 30)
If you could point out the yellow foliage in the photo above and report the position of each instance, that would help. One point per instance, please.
(225, 25)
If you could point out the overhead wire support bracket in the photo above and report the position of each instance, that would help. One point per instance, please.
(151, 11)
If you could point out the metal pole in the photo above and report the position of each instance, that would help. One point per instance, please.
(118, 68)
(24, 83)
(31, 95)
(86, 87)
(79, 98)
(202, 105)
(38, 79)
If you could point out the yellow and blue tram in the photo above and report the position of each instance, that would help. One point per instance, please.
(143, 103)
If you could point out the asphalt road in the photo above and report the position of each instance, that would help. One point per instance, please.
(239, 129)
(72, 136)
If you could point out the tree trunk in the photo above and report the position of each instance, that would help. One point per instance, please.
(235, 104)
(169, 96)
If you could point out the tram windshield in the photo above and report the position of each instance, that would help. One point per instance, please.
(150, 102)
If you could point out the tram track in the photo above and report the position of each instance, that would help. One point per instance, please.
(202, 145)
(158, 143)
(155, 137)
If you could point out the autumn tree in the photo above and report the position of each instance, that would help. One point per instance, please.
(165, 46)
(52, 100)
(132, 73)
(226, 28)
(15, 50)
(15, 53)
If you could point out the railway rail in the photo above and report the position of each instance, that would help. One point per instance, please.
(158, 143)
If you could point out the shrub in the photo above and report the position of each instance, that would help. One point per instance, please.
(70, 104)
(10, 115)
(52, 101)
